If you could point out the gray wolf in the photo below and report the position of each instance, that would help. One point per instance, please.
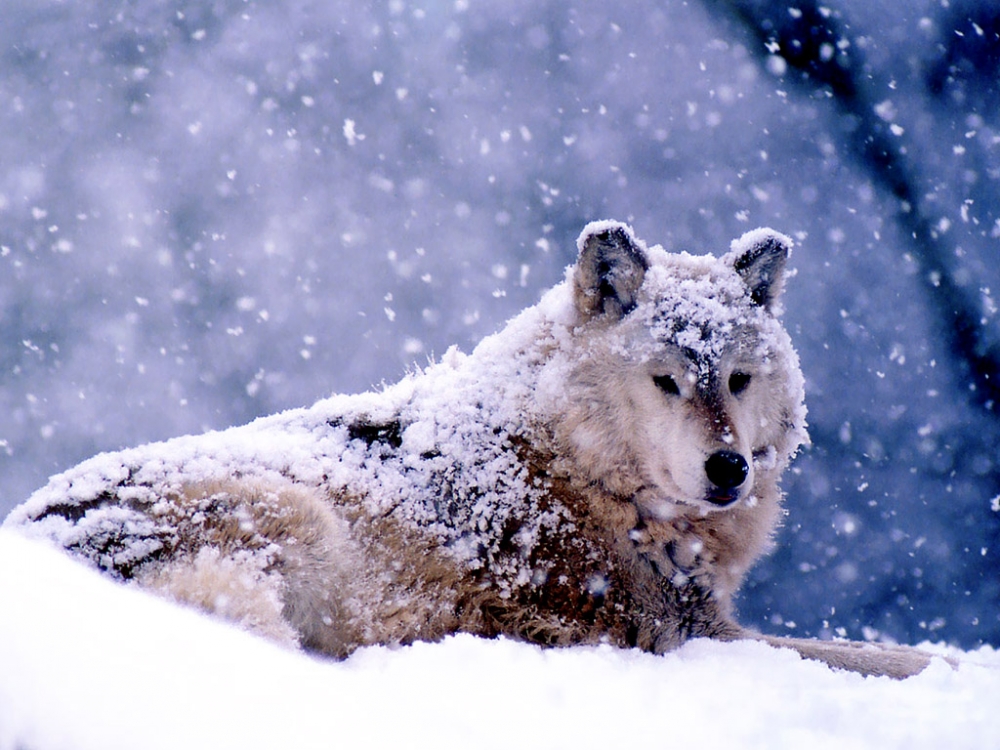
(605, 469)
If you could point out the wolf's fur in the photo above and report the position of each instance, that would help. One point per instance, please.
(605, 469)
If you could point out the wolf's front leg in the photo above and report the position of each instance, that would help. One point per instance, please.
(874, 659)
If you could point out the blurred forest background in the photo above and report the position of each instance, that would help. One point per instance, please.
(212, 210)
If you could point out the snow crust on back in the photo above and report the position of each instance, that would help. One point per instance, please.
(450, 423)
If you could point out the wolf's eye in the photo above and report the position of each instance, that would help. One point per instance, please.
(667, 384)
(738, 382)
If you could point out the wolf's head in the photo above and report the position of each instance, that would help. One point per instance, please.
(685, 389)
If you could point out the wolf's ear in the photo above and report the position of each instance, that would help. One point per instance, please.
(759, 257)
(609, 271)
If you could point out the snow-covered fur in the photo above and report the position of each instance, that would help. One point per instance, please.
(604, 469)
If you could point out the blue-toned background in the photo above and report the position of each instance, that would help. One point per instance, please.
(211, 211)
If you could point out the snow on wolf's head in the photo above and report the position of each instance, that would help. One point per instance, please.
(685, 391)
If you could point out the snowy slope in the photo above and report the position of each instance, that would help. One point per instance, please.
(87, 663)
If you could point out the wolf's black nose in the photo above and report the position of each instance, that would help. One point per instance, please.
(726, 469)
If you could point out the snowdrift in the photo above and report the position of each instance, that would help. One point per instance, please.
(88, 663)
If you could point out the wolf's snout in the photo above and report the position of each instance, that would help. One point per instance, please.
(727, 470)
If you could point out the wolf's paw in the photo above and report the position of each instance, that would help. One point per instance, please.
(677, 555)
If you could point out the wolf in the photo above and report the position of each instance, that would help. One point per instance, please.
(605, 469)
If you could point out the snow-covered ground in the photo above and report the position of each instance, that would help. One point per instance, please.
(87, 663)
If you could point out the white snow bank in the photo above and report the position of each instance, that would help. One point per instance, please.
(88, 663)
